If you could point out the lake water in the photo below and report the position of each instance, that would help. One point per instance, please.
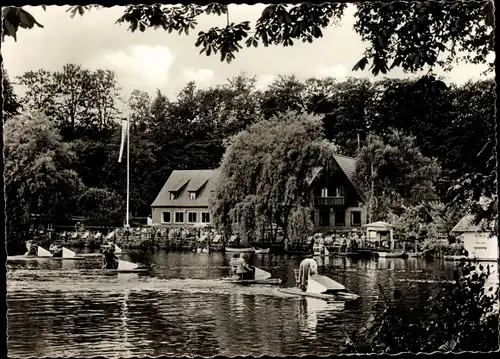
(70, 308)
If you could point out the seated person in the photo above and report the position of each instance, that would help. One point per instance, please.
(56, 250)
(109, 259)
(32, 248)
(234, 263)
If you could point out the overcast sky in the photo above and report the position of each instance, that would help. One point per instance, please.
(158, 60)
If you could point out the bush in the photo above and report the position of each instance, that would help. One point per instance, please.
(462, 316)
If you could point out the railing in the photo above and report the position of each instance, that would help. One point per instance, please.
(329, 201)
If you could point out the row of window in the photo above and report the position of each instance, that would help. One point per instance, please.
(324, 217)
(192, 217)
(339, 191)
(175, 195)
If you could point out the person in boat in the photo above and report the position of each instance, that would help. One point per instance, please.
(307, 267)
(31, 247)
(109, 259)
(240, 267)
(56, 250)
(234, 264)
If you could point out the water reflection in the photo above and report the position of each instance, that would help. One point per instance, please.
(182, 308)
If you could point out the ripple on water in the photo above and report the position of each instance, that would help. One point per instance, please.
(73, 309)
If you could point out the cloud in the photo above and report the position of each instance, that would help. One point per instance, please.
(149, 63)
(200, 75)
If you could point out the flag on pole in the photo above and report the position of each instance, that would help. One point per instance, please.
(125, 131)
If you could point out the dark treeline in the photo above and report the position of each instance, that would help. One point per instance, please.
(449, 122)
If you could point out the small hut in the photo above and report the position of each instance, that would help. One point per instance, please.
(378, 232)
(480, 244)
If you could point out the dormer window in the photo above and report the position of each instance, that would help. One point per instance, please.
(192, 195)
(173, 195)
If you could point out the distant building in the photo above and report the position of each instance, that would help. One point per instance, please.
(480, 244)
(184, 199)
(337, 204)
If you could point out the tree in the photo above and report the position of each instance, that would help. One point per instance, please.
(346, 109)
(38, 174)
(395, 173)
(458, 316)
(264, 174)
(101, 206)
(11, 106)
(408, 35)
(80, 101)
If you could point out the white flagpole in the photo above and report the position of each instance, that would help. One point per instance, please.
(128, 172)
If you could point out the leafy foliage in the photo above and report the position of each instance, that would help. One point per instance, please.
(264, 175)
(460, 316)
(11, 105)
(38, 174)
(394, 173)
(78, 100)
(191, 131)
(13, 18)
(101, 207)
(413, 35)
(408, 35)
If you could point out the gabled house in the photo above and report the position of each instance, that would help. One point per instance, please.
(480, 244)
(338, 204)
(184, 199)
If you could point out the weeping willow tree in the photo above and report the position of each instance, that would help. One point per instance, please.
(264, 179)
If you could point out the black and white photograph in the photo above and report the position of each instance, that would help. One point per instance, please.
(247, 179)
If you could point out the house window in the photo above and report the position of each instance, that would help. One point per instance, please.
(179, 217)
(192, 217)
(340, 217)
(324, 192)
(340, 191)
(312, 217)
(205, 217)
(192, 195)
(165, 217)
(324, 217)
(173, 195)
(356, 218)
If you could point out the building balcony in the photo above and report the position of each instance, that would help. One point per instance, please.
(329, 201)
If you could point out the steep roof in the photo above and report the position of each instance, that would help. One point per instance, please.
(314, 173)
(347, 164)
(201, 181)
(466, 224)
(205, 182)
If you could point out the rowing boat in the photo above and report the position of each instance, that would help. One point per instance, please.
(42, 253)
(321, 287)
(261, 250)
(136, 270)
(127, 267)
(259, 277)
(240, 250)
(270, 281)
(392, 254)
